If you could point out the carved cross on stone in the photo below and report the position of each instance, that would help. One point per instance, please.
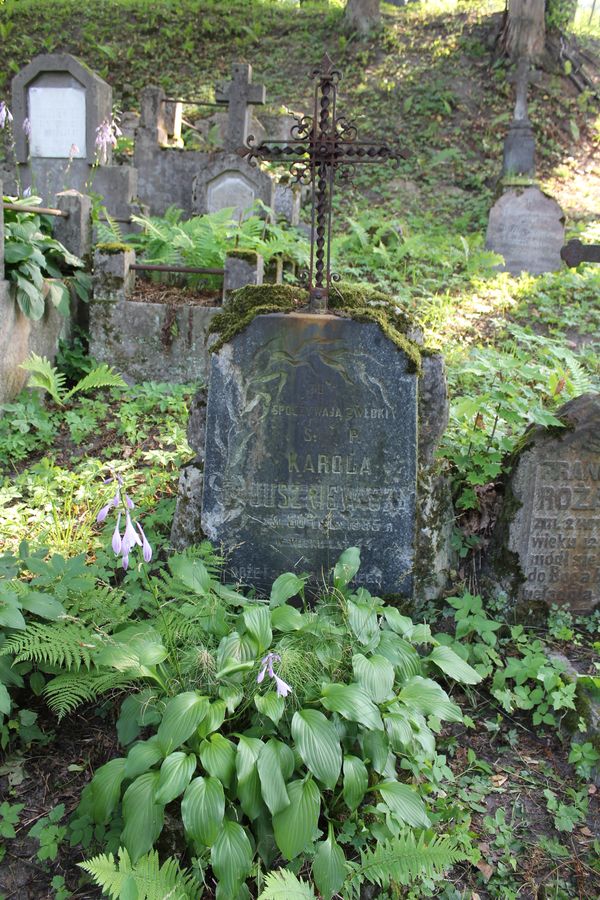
(320, 146)
(239, 93)
(575, 252)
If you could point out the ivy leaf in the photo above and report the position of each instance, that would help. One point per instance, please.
(143, 816)
(375, 674)
(180, 720)
(329, 866)
(351, 702)
(175, 775)
(202, 809)
(296, 825)
(451, 663)
(231, 857)
(405, 803)
(218, 757)
(356, 781)
(318, 744)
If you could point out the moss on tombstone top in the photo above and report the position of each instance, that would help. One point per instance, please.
(113, 247)
(249, 256)
(360, 302)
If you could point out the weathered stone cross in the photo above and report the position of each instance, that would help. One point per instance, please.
(239, 93)
(575, 252)
(320, 146)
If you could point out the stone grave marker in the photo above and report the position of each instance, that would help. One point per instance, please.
(312, 448)
(239, 94)
(554, 533)
(228, 181)
(527, 228)
(519, 144)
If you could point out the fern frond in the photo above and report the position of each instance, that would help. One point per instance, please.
(45, 375)
(66, 645)
(112, 231)
(151, 880)
(405, 859)
(284, 885)
(102, 376)
(66, 692)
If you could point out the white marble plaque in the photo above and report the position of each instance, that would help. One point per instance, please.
(230, 189)
(57, 113)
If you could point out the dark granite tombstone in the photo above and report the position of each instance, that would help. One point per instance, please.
(312, 448)
(554, 533)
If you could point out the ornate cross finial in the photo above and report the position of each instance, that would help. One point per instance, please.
(320, 146)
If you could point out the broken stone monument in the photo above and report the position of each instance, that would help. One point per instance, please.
(526, 227)
(58, 105)
(547, 549)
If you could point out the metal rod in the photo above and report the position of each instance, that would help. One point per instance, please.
(43, 210)
(142, 267)
(190, 101)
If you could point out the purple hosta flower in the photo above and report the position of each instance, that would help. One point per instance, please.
(116, 538)
(74, 150)
(130, 537)
(283, 689)
(106, 136)
(113, 503)
(27, 127)
(27, 192)
(124, 544)
(146, 548)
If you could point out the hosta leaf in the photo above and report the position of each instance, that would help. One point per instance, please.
(275, 764)
(376, 747)
(318, 743)
(217, 755)
(142, 757)
(181, 718)
(356, 781)
(296, 825)
(405, 803)
(329, 866)
(202, 809)
(257, 620)
(286, 618)
(142, 815)
(231, 857)
(214, 718)
(285, 587)
(4, 700)
(105, 789)
(248, 781)
(270, 705)
(375, 674)
(42, 605)
(175, 775)
(353, 703)
(429, 699)
(362, 619)
(451, 663)
(346, 567)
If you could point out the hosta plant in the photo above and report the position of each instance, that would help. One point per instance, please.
(277, 731)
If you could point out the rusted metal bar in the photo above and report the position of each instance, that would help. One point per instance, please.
(42, 210)
(191, 270)
(575, 252)
(190, 101)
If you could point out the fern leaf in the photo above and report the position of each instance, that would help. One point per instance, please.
(404, 859)
(284, 885)
(45, 375)
(66, 692)
(65, 645)
(102, 376)
(151, 881)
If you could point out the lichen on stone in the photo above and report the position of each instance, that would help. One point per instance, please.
(112, 247)
(249, 256)
(360, 302)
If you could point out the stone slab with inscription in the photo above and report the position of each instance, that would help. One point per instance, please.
(555, 533)
(311, 448)
(527, 228)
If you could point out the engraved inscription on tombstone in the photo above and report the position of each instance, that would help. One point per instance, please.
(57, 114)
(556, 530)
(311, 448)
(230, 189)
(527, 228)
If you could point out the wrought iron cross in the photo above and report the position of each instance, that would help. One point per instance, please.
(320, 145)
(575, 252)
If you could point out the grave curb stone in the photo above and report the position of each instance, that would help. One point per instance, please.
(506, 567)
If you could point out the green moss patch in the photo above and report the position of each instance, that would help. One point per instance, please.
(360, 302)
(112, 248)
(249, 256)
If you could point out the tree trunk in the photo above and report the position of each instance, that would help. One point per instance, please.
(524, 30)
(362, 15)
